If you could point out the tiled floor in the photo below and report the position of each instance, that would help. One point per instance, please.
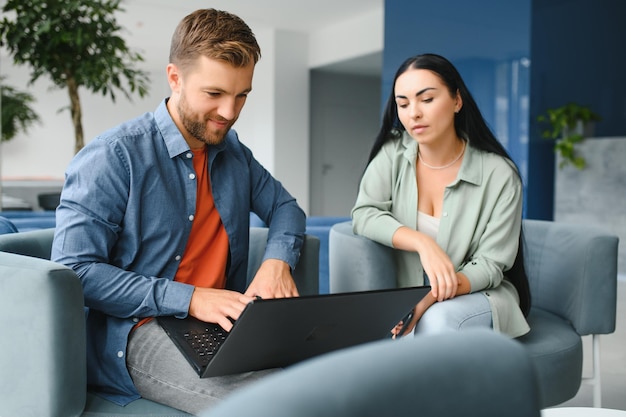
(613, 362)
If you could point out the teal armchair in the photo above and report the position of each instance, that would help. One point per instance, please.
(42, 321)
(572, 271)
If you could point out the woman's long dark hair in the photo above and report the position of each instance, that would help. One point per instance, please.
(468, 123)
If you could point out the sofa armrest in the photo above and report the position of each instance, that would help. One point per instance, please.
(356, 263)
(36, 243)
(572, 271)
(306, 273)
(42, 348)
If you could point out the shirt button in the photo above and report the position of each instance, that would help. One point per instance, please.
(189, 155)
(135, 319)
(120, 354)
(177, 257)
(445, 214)
(191, 217)
(192, 176)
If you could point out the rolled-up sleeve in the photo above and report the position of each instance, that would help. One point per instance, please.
(97, 229)
(498, 244)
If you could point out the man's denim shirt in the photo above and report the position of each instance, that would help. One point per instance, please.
(124, 219)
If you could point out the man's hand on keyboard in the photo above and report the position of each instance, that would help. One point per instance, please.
(217, 306)
(273, 280)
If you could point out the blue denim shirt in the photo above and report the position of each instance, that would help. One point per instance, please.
(125, 215)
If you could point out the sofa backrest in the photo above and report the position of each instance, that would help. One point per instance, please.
(572, 272)
(35, 243)
(38, 244)
(7, 226)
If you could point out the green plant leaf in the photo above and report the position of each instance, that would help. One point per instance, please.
(73, 41)
(562, 121)
(17, 113)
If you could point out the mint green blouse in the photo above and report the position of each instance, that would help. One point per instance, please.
(479, 226)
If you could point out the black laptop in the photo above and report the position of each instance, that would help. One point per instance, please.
(276, 333)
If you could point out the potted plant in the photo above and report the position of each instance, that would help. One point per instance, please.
(568, 125)
(78, 44)
(17, 113)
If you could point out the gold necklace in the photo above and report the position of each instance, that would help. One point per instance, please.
(419, 155)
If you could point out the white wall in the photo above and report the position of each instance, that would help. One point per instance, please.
(592, 196)
(345, 117)
(274, 123)
(357, 36)
(291, 120)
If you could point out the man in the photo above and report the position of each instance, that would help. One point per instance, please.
(154, 219)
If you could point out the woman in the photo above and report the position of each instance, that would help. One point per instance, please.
(441, 189)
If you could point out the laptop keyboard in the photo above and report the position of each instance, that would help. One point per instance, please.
(206, 342)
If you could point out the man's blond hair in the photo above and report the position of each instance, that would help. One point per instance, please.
(214, 34)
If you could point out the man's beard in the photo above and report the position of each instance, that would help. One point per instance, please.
(198, 129)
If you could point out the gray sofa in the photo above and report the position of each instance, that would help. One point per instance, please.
(23, 221)
(42, 349)
(473, 373)
(572, 271)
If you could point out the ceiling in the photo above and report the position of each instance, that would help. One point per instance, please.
(301, 16)
(296, 15)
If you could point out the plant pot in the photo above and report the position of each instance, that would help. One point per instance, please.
(596, 194)
(586, 130)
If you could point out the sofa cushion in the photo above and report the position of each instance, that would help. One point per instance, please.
(98, 407)
(320, 226)
(7, 226)
(557, 352)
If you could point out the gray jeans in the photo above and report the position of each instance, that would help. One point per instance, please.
(462, 312)
(162, 374)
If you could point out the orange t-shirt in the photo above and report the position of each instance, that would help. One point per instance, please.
(206, 254)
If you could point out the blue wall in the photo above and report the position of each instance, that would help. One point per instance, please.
(578, 55)
(519, 58)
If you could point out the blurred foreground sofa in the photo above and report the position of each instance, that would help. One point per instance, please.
(472, 373)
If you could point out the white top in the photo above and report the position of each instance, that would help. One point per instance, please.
(427, 224)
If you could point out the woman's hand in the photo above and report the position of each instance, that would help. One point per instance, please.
(438, 267)
(402, 329)
(435, 261)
